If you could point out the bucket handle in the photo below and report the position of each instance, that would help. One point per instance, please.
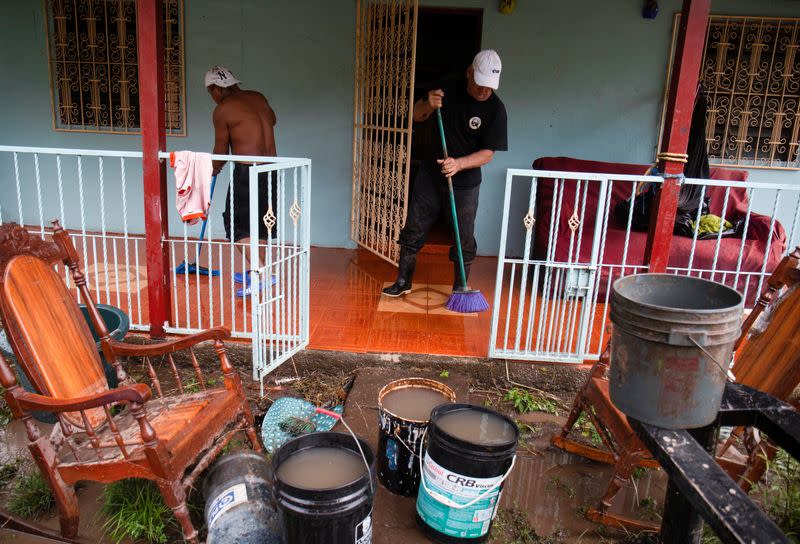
(339, 417)
(727, 373)
(444, 500)
(396, 435)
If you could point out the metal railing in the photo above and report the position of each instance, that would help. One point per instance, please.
(570, 239)
(96, 195)
(270, 302)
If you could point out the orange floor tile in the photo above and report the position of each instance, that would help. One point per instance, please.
(348, 313)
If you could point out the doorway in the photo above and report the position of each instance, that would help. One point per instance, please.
(447, 41)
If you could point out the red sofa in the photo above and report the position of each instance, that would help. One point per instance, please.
(754, 246)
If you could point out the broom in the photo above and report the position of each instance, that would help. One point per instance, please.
(191, 268)
(463, 299)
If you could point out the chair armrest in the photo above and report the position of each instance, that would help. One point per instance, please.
(138, 393)
(143, 350)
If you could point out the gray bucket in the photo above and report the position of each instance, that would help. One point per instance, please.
(668, 332)
(239, 503)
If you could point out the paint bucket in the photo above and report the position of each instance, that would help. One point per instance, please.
(334, 514)
(671, 346)
(463, 470)
(401, 430)
(239, 506)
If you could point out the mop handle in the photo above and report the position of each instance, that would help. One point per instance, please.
(205, 221)
(452, 203)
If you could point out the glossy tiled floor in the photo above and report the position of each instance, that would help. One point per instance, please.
(348, 312)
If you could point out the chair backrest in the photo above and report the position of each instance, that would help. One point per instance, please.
(769, 359)
(48, 331)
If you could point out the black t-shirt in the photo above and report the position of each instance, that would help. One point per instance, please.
(469, 126)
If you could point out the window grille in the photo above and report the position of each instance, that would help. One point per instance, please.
(751, 76)
(94, 66)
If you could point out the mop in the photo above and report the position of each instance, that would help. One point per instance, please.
(193, 268)
(463, 299)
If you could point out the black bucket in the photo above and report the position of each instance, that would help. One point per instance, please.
(400, 439)
(341, 515)
(462, 480)
(239, 506)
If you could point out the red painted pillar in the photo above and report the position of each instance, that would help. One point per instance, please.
(680, 105)
(150, 45)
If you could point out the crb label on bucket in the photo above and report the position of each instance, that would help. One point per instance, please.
(470, 522)
(229, 498)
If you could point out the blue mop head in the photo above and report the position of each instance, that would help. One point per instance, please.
(467, 302)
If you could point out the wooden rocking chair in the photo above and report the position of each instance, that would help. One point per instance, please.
(104, 434)
(768, 360)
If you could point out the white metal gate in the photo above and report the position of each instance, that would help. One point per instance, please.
(279, 272)
(550, 268)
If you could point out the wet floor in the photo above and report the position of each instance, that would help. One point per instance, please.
(553, 488)
(550, 488)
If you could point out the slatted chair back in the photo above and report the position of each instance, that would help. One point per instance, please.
(769, 360)
(49, 334)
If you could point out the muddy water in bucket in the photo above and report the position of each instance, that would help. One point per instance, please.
(404, 408)
(470, 452)
(671, 347)
(323, 489)
(321, 468)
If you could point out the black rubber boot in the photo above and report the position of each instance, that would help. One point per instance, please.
(457, 275)
(405, 272)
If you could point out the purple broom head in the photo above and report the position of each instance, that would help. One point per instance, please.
(467, 302)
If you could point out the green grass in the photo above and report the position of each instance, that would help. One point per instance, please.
(512, 526)
(5, 411)
(558, 483)
(586, 429)
(9, 471)
(525, 401)
(135, 510)
(778, 493)
(30, 497)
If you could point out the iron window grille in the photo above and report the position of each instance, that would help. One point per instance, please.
(751, 76)
(94, 72)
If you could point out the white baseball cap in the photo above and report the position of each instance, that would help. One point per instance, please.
(486, 69)
(221, 77)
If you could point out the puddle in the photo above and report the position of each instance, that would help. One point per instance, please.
(555, 488)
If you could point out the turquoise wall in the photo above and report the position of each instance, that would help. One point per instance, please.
(581, 78)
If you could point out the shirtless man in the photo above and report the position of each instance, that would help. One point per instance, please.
(243, 125)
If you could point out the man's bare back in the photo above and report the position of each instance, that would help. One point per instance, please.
(244, 125)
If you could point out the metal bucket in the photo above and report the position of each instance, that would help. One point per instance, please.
(671, 346)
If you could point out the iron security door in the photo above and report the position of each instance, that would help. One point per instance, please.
(384, 83)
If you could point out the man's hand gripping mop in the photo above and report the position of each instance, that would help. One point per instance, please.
(463, 299)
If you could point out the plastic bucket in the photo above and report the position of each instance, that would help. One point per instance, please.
(400, 439)
(239, 506)
(671, 346)
(336, 515)
(462, 479)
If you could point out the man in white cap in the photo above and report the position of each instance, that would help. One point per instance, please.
(474, 120)
(243, 125)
